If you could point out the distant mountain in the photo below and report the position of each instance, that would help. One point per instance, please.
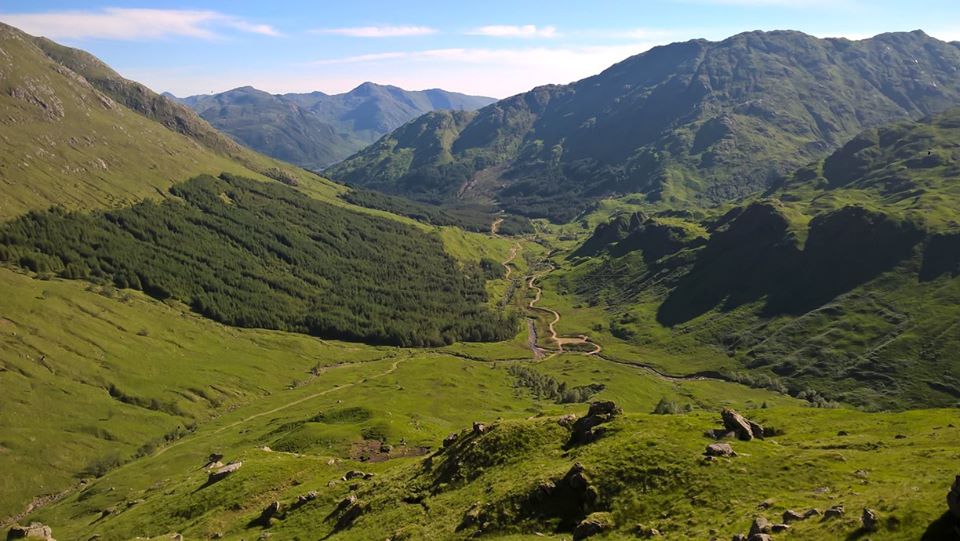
(694, 123)
(315, 130)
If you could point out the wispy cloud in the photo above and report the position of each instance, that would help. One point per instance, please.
(378, 31)
(515, 31)
(132, 24)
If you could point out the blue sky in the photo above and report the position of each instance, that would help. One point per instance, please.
(495, 48)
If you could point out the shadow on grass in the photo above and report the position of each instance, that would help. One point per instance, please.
(945, 528)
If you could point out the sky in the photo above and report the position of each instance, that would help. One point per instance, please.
(492, 47)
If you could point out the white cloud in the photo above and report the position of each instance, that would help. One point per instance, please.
(379, 31)
(131, 24)
(497, 72)
(515, 31)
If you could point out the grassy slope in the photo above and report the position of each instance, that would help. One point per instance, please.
(63, 343)
(457, 392)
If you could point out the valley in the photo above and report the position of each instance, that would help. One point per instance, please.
(711, 292)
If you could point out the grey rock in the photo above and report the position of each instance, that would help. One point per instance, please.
(760, 525)
(224, 471)
(720, 449)
(834, 512)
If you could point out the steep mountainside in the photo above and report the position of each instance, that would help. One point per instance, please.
(846, 279)
(77, 134)
(315, 130)
(688, 123)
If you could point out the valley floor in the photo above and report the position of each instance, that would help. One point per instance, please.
(299, 414)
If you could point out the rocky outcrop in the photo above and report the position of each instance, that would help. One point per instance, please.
(588, 429)
(35, 530)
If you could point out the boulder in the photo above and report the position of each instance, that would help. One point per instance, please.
(346, 502)
(223, 472)
(607, 408)
(308, 497)
(792, 516)
(736, 423)
(720, 449)
(760, 537)
(592, 525)
(450, 440)
(739, 537)
(812, 513)
(567, 420)
(268, 513)
(760, 525)
(352, 474)
(834, 512)
(779, 528)
(953, 498)
(870, 520)
(35, 530)
(479, 428)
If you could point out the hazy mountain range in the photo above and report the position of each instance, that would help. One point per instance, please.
(315, 130)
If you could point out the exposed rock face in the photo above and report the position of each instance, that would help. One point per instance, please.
(592, 525)
(35, 530)
(744, 429)
(587, 429)
(223, 472)
(720, 449)
(870, 520)
(953, 498)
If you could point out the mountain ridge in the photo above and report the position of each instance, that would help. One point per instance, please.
(316, 129)
(687, 124)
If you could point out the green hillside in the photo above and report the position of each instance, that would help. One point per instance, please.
(252, 254)
(686, 124)
(200, 342)
(844, 280)
(79, 135)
